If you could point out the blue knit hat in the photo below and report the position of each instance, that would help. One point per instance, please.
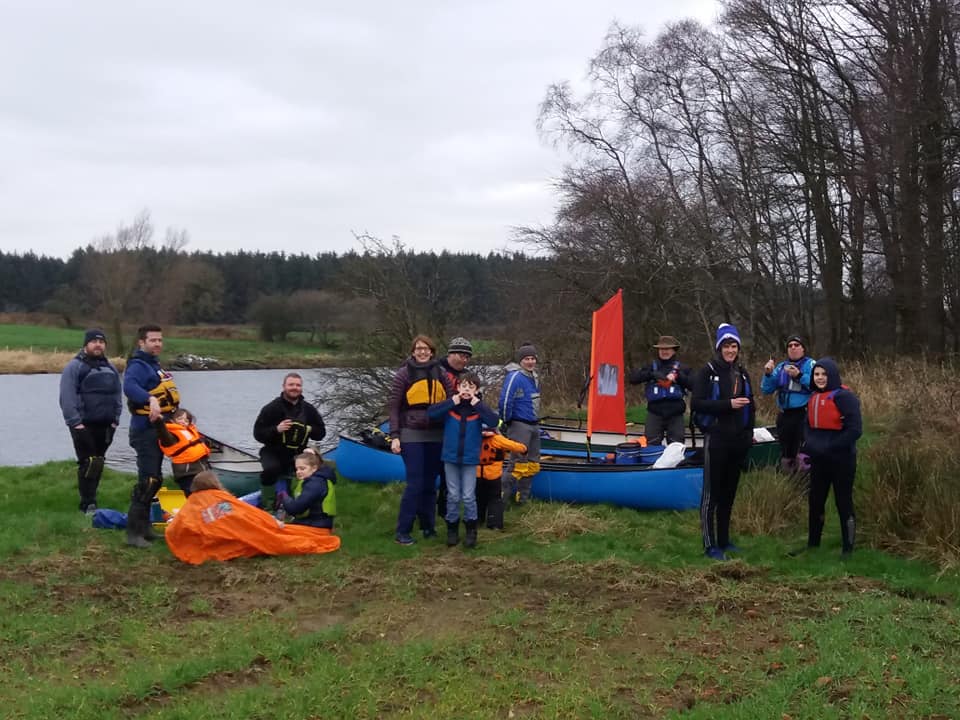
(726, 331)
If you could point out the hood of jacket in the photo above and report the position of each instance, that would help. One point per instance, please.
(833, 375)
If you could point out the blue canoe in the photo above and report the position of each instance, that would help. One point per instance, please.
(562, 479)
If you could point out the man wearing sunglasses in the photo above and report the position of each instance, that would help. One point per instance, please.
(790, 380)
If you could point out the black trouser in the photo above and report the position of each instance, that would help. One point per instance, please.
(490, 502)
(656, 426)
(90, 444)
(790, 429)
(837, 471)
(722, 465)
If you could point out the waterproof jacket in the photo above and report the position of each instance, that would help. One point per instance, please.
(664, 404)
(732, 427)
(822, 443)
(493, 452)
(142, 374)
(462, 429)
(90, 391)
(215, 525)
(292, 442)
(791, 393)
(520, 395)
(310, 499)
(414, 388)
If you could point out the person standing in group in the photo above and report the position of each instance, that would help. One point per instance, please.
(151, 393)
(723, 409)
(834, 424)
(790, 380)
(520, 416)
(463, 415)
(459, 352)
(91, 399)
(667, 381)
(284, 426)
(418, 383)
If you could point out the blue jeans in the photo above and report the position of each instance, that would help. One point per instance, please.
(461, 486)
(149, 456)
(422, 464)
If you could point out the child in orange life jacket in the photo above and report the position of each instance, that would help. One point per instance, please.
(493, 451)
(181, 442)
(834, 425)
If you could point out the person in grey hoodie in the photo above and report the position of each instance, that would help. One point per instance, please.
(90, 400)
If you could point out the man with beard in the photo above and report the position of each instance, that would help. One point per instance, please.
(285, 425)
(91, 400)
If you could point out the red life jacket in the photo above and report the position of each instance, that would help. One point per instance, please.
(822, 411)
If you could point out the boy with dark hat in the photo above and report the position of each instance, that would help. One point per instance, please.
(667, 380)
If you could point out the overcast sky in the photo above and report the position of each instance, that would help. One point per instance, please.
(289, 124)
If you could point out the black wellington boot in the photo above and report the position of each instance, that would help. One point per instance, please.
(471, 538)
(848, 531)
(453, 533)
(138, 516)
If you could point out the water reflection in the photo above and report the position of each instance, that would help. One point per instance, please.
(226, 403)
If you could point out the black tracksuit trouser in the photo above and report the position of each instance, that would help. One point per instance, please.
(722, 465)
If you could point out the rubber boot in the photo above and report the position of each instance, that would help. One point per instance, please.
(453, 533)
(471, 538)
(815, 531)
(138, 516)
(848, 531)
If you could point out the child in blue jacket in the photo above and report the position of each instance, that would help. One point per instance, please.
(834, 424)
(314, 500)
(464, 416)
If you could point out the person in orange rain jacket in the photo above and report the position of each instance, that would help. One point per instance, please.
(490, 489)
(215, 525)
(181, 442)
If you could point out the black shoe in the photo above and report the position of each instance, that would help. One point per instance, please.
(453, 533)
(429, 533)
(471, 538)
(801, 550)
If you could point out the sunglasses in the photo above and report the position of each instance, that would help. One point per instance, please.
(794, 344)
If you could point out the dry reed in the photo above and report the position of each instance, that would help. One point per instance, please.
(26, 362)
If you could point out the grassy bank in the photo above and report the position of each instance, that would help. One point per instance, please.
(39, 349)
(573, 612)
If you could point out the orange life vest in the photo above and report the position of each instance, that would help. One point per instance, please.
(189, 447)
(492, 453)
(822, 411)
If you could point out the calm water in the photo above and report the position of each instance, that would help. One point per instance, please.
(225, 402)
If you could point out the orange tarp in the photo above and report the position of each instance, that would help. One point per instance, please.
(215, 525)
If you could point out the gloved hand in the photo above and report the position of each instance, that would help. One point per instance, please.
(282, 497)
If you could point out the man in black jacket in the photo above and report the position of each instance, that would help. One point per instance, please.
(285, 425)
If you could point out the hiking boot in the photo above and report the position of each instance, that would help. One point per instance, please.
(453, 533)
(404, 539)
(471, 538)
(715, 553)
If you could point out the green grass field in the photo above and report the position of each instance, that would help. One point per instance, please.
(571, 613)
(246, 351)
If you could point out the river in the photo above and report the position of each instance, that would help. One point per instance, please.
(226, 403)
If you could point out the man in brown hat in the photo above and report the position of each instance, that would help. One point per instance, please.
(667, 380)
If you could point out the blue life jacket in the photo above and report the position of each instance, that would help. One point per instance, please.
(655, 391)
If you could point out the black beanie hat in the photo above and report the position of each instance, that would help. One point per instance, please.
(93, 334)
(797, 339)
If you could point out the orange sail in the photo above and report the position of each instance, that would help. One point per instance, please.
(605, 405)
